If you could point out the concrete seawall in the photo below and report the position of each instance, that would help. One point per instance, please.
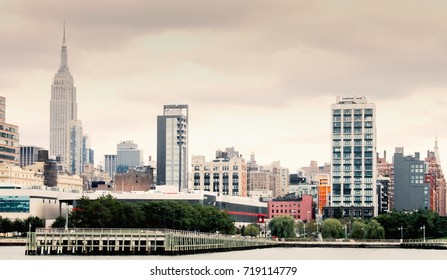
(12, 241)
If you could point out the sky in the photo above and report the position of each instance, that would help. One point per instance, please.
(259, 76)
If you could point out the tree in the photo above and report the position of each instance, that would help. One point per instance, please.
(282, 227)
(252, 230)
(374, 230)
(358, 230)
(59, 222)
(332, 228)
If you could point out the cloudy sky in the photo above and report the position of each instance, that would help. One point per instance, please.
(258, 75)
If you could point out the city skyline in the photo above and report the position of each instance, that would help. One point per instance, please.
(260, 77)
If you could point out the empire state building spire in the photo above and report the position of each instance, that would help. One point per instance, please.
(63, 108)
(64, 63)
(438, 158)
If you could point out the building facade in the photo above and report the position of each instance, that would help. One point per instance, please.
(63, 107)
(353, 170)
(139, 179)
(74, 158)
(128, 156)
(222, 176)
(110, 165)
(411, 192)
(386, 169)
(436, 180)
(260, 184)
(9, 137)
(29, 155)
(172, 146)
(299, 208)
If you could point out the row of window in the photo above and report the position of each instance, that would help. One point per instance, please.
(357, 112)
(215, 168)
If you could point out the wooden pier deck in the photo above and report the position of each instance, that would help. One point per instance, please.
(84, 241)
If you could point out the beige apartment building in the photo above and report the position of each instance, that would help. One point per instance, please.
(223, 176)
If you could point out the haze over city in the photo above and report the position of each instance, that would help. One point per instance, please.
(259, 76)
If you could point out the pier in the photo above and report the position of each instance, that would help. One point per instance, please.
(84, 241)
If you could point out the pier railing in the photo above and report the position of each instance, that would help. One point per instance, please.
(97, 241)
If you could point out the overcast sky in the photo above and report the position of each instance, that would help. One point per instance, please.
(258, 75)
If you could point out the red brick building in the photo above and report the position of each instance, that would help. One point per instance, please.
(299, 208)
(138, 179)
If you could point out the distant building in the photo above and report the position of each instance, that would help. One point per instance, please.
(411, 192)
(110, 165)
(88, 155)
(324, 192)
(436, 180)
(261, 184)
(222, 176)
(74, 157)
(172, 146)
(386, 169)
(136, 179)
(9, 138)
(252, 165)
(63, 108)
(313, 170)
(128, 156)
(281, 187)
(29, 155)
(383, 193)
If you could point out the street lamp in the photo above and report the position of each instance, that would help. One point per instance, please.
(304, 227)
(423, 232)
(346, 231)
(401, 234)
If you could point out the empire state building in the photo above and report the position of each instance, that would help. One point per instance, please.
(63, 107)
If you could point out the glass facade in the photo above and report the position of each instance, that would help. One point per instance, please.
(14, 204)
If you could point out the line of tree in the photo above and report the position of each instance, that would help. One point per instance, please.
(394, 225)
(108, 212)
(20, 225)
(412, 223)
(355, 229)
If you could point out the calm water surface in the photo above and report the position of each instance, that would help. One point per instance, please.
(18, 253)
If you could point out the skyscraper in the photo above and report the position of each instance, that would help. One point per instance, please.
(29, 155)
(172, 146)
(9, 137)
(353, 170)
(411, 191)
(74, 148)
(63, 107)
(110, 165)
(128, 156)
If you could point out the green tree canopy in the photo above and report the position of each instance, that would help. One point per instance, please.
(331, 228)
(282, 227)
(358, 230)
(252, 230)
(374, 230)
(107, 212)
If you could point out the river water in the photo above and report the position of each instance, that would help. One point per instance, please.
(18, 253)
(305, 263)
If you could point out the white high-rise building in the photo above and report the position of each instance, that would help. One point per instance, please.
(63, 107)
(172, 147)
(74, 148)
(354, 159)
